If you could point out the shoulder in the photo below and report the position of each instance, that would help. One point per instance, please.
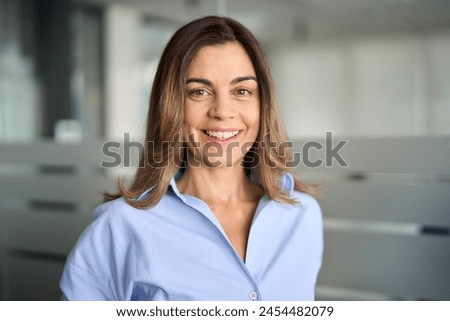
(109, 232)
(115, 224)
(309, 209)
(106, 217)
(95, 266)
(307, 212)
(306, 202)
(112, 209)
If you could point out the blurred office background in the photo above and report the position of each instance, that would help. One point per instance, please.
(74, 74)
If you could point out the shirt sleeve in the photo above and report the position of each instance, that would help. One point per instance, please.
(88, 273)
(77, 284)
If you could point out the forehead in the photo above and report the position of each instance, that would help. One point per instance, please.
(228, 58)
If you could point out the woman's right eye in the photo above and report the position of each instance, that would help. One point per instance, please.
(198, 92)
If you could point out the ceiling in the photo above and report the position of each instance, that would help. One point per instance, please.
(306, 19)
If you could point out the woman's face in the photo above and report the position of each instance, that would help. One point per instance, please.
(222, 107)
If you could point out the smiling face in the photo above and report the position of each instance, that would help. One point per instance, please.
(222, 107)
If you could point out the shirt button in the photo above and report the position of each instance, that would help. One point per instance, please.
(253, 295)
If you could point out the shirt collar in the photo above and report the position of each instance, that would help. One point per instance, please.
(287, 183)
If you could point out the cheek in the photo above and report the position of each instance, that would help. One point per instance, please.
(187, 114)
(193, 116)
(187, 122)
(254, 119)
(189, 118)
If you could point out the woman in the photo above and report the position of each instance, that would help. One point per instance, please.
(214, 212)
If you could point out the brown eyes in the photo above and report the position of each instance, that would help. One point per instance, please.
(200, 93)
(242, 92)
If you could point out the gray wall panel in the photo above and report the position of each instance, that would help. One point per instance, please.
(427, 203)
(420, 155)
(34, 279)
(50, 233)
(403, 266)
(66, 188)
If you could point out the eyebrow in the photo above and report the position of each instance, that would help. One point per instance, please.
(245, 78)
(200, 80)
(209, 83)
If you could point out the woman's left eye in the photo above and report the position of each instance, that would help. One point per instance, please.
(242, 92)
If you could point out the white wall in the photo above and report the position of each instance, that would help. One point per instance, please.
(396, 85)
(439, 82)
(19, 94)
(122, 57)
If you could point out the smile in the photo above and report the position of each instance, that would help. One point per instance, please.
(221, 135)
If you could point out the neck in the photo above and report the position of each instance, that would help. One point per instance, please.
(227, 184)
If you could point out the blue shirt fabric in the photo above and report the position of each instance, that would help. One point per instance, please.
(178, 250)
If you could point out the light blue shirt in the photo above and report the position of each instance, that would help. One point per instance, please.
(178, 250)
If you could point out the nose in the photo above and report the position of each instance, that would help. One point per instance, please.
(222, 107)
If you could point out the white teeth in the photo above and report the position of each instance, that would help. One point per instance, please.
(222, 135)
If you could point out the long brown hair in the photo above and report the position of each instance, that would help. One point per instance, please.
(164, 154)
